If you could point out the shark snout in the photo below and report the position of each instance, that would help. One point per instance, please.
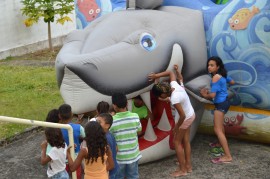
(105, 73)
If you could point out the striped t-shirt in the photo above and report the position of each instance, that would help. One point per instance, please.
(124, 128)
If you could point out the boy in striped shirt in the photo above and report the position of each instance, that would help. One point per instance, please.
(125, 128)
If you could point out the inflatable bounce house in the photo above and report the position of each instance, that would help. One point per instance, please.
(239, 32)
(116, 48)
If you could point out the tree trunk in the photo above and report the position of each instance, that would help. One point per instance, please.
(50, 36)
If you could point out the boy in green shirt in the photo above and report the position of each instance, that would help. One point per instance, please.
(125, 128)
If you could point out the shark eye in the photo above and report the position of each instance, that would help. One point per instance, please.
(236, 21)
(97, 11)
(230, 20)
(147, 41)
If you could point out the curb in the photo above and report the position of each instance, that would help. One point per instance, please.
(4, 142)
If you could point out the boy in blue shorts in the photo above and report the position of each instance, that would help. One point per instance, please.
(106, 120)
(65, 116)
(125, 128)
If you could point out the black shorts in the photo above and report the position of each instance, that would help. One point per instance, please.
(223, 106)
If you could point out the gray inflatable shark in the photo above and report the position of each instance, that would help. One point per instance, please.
(116, 53)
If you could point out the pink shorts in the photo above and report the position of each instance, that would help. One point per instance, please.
(187, 122)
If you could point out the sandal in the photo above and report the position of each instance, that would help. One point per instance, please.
(214, 144)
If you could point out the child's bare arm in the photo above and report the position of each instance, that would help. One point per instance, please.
(168, 99)
(79, 119)
(110, 163)
(149, 115)
(179, 76)
(74, 165)
(182, 115)
(153, 76)
(232, 82)
(44, 158)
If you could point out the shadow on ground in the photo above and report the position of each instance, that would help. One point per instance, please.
(21, 159)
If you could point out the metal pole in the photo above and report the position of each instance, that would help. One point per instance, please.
(46, 124)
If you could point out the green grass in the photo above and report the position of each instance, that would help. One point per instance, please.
(26, 92)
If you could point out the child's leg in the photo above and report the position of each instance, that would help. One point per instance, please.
(219, 130)
(121, 171)
(178, 139)
(187, 149)
(132, 170)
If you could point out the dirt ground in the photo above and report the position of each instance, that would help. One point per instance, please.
(39, 58)
(20, 159)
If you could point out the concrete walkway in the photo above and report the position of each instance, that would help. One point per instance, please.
(21, 159)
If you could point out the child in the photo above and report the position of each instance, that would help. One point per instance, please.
(106, 120)
(52, 116)
(65, 115)
(102, 107)
(112, 111)
(141, 109)
(219, 95)
(126, 125)
(56, 158)
(179, 80)
(180, 100)
(97, 154)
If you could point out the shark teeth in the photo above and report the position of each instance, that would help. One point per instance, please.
(149, 133)
(129, 104)
(146, 99)
(164, 123)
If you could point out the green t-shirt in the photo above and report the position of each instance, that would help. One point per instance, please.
(141, 111)
(124, 128)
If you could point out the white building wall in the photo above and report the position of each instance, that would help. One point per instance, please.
(17, 39)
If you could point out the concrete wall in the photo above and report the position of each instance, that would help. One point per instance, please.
(17, 39)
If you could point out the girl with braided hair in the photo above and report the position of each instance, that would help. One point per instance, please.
(180, 100)
(95, 152)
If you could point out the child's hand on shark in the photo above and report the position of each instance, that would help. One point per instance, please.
(152, 76)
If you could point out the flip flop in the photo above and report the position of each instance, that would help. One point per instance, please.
(219, 161)
(217, 151)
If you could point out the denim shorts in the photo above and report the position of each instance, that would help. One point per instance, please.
(223, 106)
(61, 175)
(129, 171)
(113, 176)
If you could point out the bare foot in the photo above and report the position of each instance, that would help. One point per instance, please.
(189, 170)
(222, 160)
(226, 159)
(178, 174)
